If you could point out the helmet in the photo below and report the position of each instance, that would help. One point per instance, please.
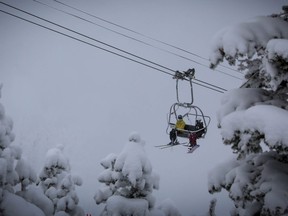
(180, 117)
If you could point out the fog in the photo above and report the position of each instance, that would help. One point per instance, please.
(60, 90)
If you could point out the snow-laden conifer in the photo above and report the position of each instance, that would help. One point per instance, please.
(58, 184)
(129, 182)
(14, 171)
(253, 119)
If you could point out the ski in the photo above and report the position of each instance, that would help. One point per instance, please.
(162, 145)
(186, 144)
(168, 145)
(192, 149)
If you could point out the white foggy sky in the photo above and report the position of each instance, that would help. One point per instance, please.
(58, 90)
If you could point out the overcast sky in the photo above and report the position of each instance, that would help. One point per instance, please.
(59, 90)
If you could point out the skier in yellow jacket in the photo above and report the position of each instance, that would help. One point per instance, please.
(180, 124)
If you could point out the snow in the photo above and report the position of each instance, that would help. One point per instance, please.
(6, 125)
(259, 118)
(77, 180)
(274, 183)
(102, 195)
(55, 157)
(35, 195)
(277, 48)
(250, 118)
(16, 151)
(3, 168)
(129, 181)
(132, 161)
(246, 38)
(109, 160)
(61, 213)
(217, 176)
(8, 154)
(14, 170)
(259, 175)
(51, 192)
(240, 99)
(119, 205)
(247, 110)
(58, 183)
(55, 186)
(16, 205)
(106, 176)
(243, 110)
(276, 53)
(168, 207)
(25, 172)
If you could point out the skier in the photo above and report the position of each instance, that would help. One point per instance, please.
(180, 124)
(192, 140)
(200, 128)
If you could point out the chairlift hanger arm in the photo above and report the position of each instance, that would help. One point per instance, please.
(190, 74)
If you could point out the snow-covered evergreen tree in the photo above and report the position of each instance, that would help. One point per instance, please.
(254, 118)
(29, 199)
(13, 171)
(129, 182)
(59, 185)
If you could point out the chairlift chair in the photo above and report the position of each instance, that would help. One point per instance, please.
(196, 121)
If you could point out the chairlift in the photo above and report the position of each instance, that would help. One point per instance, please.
(196, 121)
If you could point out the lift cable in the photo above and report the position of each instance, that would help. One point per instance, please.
(93, 45)
(83, 35)
(133, 38)
(123, 56)
(151, 38)
(107, 44)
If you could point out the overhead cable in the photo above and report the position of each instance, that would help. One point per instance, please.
(82, 41)
(132, 38)
(151, 38)
(210, 86)
(83, 35)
